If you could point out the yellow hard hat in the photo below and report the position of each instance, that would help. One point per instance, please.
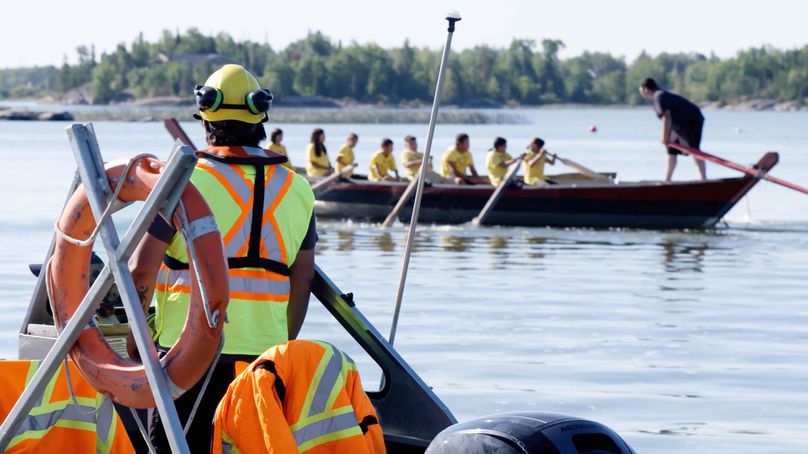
(232, 93)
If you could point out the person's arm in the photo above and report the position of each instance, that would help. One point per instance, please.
(666, 127)
(473, 170)
(145, 264)
(301, 274)
(414, 164)
(320, 166)
(378, 171)
(551, 158)
(343, 160)
(536, 158)
(457, 173)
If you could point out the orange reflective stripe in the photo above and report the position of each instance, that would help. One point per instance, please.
(260, 297)
(172, 288)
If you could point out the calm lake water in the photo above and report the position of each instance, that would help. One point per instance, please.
(681, 341)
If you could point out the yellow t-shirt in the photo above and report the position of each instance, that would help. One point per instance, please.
(534, 174)
(280, 149)
(311, 156)
(347, 154)
(492, 162)
(409, 156)
(386, 163)
(462, 161)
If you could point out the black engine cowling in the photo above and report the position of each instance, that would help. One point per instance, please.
(529, 433)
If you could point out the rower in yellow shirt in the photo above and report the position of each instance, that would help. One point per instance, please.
(317, 163)
(382, 163)
(535, 158)
(456, 160)
(411, 158)
(345, 155)
(275, 146)
(498, 160)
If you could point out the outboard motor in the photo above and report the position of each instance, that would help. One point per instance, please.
(529, 433)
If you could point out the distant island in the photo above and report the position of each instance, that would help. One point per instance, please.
(318, 72)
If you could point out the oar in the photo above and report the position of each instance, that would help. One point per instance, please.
(176, 131)
(452, 18)
(405, 197)
(732, 165)
(588, 172)
(492, 201)
(330, 179)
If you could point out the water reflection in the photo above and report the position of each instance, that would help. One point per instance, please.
(535, 246)
(456, 243)
(678, 256)
(498, 245)
(345, 240)
(384, 242)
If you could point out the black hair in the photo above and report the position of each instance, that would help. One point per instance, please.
(386, 142)
(499, 141)
(538, 142)
(409, 138)
(319, 148)
(234, 133)
(462, 137)
(649, 84)
(353, 136)
(275, 133)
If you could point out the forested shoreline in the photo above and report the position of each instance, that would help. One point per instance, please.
(527, 73)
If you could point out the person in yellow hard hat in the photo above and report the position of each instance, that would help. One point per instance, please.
(275, 146)
(264, 212)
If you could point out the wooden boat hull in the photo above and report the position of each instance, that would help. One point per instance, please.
(652, 205)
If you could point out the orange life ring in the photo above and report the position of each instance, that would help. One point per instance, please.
(188, 360)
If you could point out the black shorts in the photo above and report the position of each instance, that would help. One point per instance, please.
(687, 136)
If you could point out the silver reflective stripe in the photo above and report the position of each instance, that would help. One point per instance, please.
(327, 382)
(83, 413)
(105, 419)
(325, 426)
(259, 285)
(255, 151)
(243, 188)
(202, 226)
(272, 192)
(174, 277)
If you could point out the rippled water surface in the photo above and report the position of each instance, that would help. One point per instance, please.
(681, 341)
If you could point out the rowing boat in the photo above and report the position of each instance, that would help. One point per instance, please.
(569, 203)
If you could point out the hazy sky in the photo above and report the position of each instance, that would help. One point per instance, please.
(44, 32)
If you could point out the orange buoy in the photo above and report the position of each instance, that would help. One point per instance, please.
(188, 360)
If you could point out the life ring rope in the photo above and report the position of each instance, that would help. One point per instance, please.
(111, 208)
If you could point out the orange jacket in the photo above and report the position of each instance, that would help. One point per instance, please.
(300, 396)
(55, 423)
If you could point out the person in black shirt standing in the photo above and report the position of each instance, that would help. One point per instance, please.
(682, 123)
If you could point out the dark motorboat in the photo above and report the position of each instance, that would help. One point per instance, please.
(569, 203)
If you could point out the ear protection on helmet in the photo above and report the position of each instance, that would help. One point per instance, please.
(211, 99)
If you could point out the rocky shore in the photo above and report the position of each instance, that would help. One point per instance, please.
(28, 115)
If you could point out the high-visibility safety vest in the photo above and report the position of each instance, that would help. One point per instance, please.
(263, 211)
(301, 396)
(55, 423)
